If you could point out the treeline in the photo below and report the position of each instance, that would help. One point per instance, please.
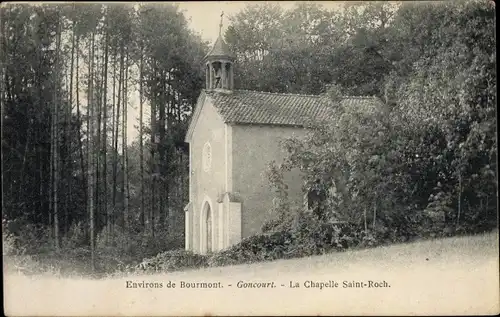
(72, 75)
(423, 164)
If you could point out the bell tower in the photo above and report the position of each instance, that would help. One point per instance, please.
(219, 65)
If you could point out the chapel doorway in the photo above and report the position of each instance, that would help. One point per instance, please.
(206, 228)
(209, 229)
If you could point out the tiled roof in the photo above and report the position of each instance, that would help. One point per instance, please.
(219, 49)
(253, 107)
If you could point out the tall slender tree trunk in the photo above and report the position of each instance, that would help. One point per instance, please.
(112, 218)
(364, 218)
(68, 132)
(105, 137)
(78, 110)
(181, 164)
(124, 145)
(459, 199)
(56, 139)
(96, 150)
(64, 152)
(161, 146)
(154, 100)
(51, 176)
(3, 71)
(41, 182)
(25, 152)
(90, 150)
(141, 132)
(171, 156)
(40, 149)
(79, 118)
(115, 166)
(89, 131)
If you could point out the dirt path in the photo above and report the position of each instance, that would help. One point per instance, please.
(444, 277)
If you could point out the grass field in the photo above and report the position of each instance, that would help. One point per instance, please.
(452, 276)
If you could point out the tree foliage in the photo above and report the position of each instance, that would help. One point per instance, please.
(425, 161)
(69, 76)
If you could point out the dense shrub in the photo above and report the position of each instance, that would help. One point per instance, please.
(31, 249)
(136, 245)
(312, 235)
(307, 236)
(8, 240)
(261, 247)
(26, 238)
(67, 262)
(8, 244)
(76, 237)
(170, 261)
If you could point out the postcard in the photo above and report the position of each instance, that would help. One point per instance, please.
(249, 158)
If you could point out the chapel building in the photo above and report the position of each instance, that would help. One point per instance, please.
(233, 136)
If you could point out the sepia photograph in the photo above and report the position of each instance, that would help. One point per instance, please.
(249, 158)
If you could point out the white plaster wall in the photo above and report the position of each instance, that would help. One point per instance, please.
(211, 184)
(254, 147)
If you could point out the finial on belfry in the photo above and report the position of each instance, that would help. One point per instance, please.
(220, 25)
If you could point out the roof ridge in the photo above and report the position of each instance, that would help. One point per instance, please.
(359, 97)
(277, 93)
(304, 95)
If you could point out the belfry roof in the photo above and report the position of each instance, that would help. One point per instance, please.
(219, 49)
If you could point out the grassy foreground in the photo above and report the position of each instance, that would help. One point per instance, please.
(447, 277)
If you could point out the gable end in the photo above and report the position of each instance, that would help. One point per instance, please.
(194, 119)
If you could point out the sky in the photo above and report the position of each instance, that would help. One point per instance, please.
(205, 16)
(204, 19)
